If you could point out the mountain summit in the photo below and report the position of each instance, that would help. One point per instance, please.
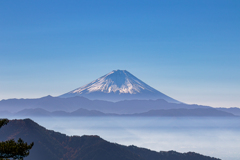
(116, 86)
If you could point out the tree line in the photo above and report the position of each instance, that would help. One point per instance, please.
(13, 149)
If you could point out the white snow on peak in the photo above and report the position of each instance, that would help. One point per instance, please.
(116, 86)
(117, 81)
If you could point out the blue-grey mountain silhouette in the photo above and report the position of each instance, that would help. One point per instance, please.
(116, 86)
(136, 98)
(179, 112)
(51, 145)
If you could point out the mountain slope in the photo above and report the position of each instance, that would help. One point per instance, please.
(50, 145)
(116, 86)
(180, 112)
(73, 103)
(233, 110)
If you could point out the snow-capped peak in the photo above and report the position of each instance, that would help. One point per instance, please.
(118, 85)
(117, 81)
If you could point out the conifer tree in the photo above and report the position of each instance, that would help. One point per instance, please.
(11, 149)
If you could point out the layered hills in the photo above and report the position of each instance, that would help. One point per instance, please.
(80, 106)
(180, 112)
(118, 92)
(73, 103)
(50, 145)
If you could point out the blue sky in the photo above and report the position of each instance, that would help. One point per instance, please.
(189, 50)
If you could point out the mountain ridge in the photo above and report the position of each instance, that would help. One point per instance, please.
(180, 112)
(116, 86)
(73, 103)
(51, 145)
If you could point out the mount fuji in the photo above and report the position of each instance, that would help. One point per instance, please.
(118, 85)
(114, 94)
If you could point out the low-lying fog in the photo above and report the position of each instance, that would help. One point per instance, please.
(217, 137)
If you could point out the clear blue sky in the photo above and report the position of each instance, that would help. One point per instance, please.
(188, 49)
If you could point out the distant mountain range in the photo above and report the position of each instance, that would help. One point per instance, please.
(50, 103)
(118, 92)
(50, 145)
(118, 85)
(180, 112)
(80, 106)
(233, 110)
